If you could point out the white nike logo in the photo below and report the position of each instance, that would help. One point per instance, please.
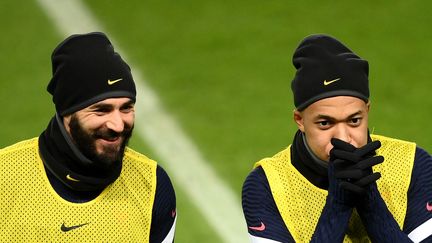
(111, 82)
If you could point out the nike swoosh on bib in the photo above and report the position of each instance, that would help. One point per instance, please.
(65, 228)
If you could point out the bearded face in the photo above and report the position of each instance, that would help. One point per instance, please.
(102, 130)
(92, 143)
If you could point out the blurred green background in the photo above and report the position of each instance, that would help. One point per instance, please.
(223, 70)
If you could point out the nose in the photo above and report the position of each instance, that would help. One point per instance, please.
(115, 122)
(342, 132)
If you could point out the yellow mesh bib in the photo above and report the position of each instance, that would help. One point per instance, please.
(31, 211)
(300, 203)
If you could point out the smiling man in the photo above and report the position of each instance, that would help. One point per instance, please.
(336, 182)
(79, 182)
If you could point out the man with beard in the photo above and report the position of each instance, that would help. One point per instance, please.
(78, 182)
(335, 182)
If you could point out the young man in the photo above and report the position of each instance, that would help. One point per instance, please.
(78, 182)
(336, 182)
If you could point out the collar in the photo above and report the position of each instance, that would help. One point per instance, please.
(64, 160)
(307, 163)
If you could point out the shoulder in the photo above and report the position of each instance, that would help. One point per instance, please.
(396, 150)
(419, 191)
(423, 156)
(260, 211)
(163, 180)
(139, 159)
(256, 178)
(164, 208)
(132, 155)
(422, 159)
(280, 157)
(422, 171)
(165, 194)
(388, 141)
(139, 170)
(256, 186)
(25, 144)
(256, 190)
(129, 152)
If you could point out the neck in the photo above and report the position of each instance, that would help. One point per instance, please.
(312, 154)
(66, 137)
(307, 163)
(63, 159)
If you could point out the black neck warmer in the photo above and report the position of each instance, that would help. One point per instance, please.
(63, 159)
(310, 166)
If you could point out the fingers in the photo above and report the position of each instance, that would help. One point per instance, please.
(341, 164)
(345, 155)
(369, 162)
(368, 148)
(350, 170)
(368, 179)
(359, 186)
(349, 174)
(339, 144)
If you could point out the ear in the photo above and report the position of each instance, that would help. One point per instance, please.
(298, 119)
(66, 122)
(368, 106)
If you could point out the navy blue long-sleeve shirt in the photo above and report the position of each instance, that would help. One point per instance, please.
(265, 222)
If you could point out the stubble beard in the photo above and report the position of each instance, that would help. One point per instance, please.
(85, 140)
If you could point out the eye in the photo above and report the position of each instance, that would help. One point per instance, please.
(127, 108)
(323, 124)
(355, 121)
(101, 111)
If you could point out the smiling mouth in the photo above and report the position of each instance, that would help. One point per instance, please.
(110, 140)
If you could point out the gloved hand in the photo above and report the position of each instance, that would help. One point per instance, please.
(357, 161)
(350, 170)
(340, 173)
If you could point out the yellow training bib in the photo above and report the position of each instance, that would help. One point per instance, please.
(31, 211)
(300, 202)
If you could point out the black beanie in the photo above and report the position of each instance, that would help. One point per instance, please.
(86, 70)
(327, 68)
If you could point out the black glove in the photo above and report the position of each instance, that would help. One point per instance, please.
(354, 166)
(341, 171)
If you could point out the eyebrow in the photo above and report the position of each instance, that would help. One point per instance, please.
(129, 103)
(109, 106)
(326, 117)
(101, 106)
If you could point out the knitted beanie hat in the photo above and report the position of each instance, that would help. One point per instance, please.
(327, 68)
(86, 70)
